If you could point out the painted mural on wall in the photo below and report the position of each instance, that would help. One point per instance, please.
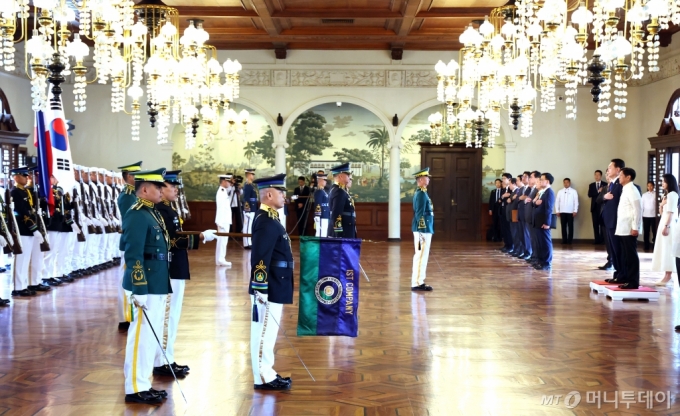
(418, 130)
(231, 150)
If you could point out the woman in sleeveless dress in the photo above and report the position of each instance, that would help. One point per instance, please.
(663, 259)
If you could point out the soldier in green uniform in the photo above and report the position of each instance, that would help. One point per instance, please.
(423, 228)
(126, 199)
(146, 245)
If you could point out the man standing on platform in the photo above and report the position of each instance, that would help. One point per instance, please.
(322, 212)
(271, 282)
(534, 182)
(543, 221)
(628, 225)
(179, 273)
(223, 198)
(649, 216)
(609, 217)
(593, 191)
(249, 206)
(341, 204)
(126, 199)
(423, 228)
(146, 245)
(566, 206)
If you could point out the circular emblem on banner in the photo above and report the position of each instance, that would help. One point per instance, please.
(328, 290)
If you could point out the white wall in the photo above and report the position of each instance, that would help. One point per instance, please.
(563, 147)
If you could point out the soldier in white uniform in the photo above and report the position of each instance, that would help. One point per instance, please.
(223, 200)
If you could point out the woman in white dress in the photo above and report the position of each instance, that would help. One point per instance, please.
(664, 259)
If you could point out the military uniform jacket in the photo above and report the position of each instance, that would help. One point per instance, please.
(321, 207)
(126, 199)
(24, 210)
(423, 214)
(343, 217)
(249, 198)
(146, 245)
(61, 218)
(223, 206)
(179, 244)
(271, 258)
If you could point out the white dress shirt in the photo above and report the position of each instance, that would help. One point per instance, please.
(599, 185)
(566, 201)
(629, 214)
(649, 205)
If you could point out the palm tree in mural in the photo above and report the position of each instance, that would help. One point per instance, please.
(379, 141)
(249, 152)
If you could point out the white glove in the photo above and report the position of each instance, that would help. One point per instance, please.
(75, 227)
(139, 301)
(85, 221)
(209, 235)
(104, 222)
(261, 297)
(3, 242)
(39, 236)
(294, 198)
(96, 222)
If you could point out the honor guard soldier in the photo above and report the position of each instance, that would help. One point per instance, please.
(223, 199)
(423, 228)
(126, 199)
(179, 272)
(38, 255)
(271, 282)
(146, 245)
(59, 231)
(27, 222)
(343, 218)
(322, 212)
(249, 206)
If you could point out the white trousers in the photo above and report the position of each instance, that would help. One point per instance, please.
(64, 265)
(79, 251)
(142, 345)
(58, 248)
(321, 225)
(221, 246)
(420, 257)
(37, 262)
(248, 218)
(21, 262)
(263, 339)
(94, 250)
(123, 302)
(173, 313)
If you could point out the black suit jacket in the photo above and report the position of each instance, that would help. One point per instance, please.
(593, 194)
(513, 204)
(543, 213)
(521, 206)
(529, 208)
(494, 202)
(611, 207)
(302, 192)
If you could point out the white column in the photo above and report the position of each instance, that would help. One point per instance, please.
(394, 229)
(280, 157)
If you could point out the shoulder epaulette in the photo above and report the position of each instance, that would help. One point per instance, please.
(142, 203)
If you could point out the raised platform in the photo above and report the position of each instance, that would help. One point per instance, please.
(641, 293)
(600, 286)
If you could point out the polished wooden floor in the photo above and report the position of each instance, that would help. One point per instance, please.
(494, 338)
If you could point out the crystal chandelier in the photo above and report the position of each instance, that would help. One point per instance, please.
(518, 55)
(138, 50)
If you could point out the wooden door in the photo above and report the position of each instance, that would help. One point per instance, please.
(455, 190)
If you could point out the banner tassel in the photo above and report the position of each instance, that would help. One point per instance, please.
(256, 317)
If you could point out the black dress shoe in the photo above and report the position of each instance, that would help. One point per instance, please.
(185, 368)
(2, 270)
(50, 282)
(677, 328)
(527, 257)
(629, 286)
(276, 384)
(4, 302)
(422, 288)
(517, 255)
(39, 288)
(613, 281)
(607, 266)
(288, 379)
(246, 248)
(23, 292)
(67, 278)
(160, 393)
(144, 397)
(164, 371)
(123, 326)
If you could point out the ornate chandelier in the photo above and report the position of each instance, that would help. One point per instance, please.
(522, 51)
(137, 50)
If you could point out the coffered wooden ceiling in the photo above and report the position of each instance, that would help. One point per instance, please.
(335, 24)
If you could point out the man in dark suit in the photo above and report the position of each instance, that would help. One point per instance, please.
(534, 182)
(609, 216)
(494, 211)
(302, 204)
(511, 205)
(525, 235)
(543, 208)
(593, 192)
(505, 224)
(603, 230)
(518, 199)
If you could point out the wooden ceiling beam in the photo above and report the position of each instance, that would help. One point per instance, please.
(215, 11)
(449, 12)
(336, 14)
(262, 9)
(409, 16)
